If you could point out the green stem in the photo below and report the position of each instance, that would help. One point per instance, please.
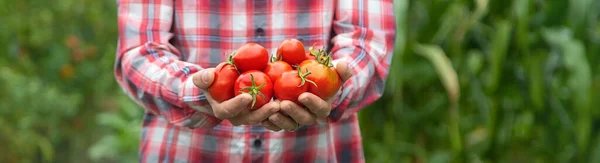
(303, 77)
(254, 90)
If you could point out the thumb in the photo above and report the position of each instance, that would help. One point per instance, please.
(343, 70)
(204, 78)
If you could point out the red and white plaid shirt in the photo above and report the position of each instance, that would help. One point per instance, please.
(163, 42)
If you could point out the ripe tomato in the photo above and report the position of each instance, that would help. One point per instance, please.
(276, 68)
(251, 56)
(257, 84)
(310, 56)
(327, 80)
(291, 51)
(225, 76)
(291, 85)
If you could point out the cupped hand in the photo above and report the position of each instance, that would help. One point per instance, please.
(235, 110)
(315, 109)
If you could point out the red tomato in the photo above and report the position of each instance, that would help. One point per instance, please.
(251, 56)
(311, 53)
(257, 84)
(327, 80)
(275, 69)
(310, 56)
(225, 76)
(291, 51)
(291, 85)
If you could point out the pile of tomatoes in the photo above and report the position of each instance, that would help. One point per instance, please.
(286, 76)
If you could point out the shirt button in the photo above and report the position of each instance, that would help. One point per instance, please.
(260, 32)
(257, 143)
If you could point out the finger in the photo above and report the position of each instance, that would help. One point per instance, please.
(232, 107)
(283, 122)
(258, 115)
(315, 104)
(210, 100)
(204, 78)
(269, 125)
(298, 113)
(344, 70)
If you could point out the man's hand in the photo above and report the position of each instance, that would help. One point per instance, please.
(236, 109)
(316, 110)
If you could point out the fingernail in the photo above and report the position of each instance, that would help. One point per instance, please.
(266, 125)
(303, 99)
(274, 109)
(205, 76)
(247, 100)
(274, 119)
(289, 105)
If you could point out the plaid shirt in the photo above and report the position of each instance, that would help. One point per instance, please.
(163, 42)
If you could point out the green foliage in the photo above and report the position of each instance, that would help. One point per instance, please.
(58, 96)
(527, 76)
(471, 81)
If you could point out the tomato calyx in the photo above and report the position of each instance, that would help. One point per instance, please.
(275, 58)
(254, 90)
(230, 62)
(303, 77)
(321, 56)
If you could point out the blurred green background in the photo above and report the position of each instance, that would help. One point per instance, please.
(471, 81)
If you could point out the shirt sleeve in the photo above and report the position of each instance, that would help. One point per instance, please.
(366, 31)
(150, 69)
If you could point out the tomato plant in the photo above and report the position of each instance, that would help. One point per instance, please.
(327, 80)
(257, 84)
(291, 51)
(291, 85)
(224, 78)
(275, 68)
(251, 56)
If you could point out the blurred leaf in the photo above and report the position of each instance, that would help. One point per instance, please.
(498, 54)
(443, 67)
(573, 53)
(535, 73)
(111, 120)
(104, 148)
(440, 157)
(450, 80)
(475, 61)
(578, 10)
(46, 149)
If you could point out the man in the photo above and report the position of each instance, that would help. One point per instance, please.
(165, 59)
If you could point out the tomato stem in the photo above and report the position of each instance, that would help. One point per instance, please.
(230, 62)
(275, 58)
(322, 57)
(303, 77)
(254, 90)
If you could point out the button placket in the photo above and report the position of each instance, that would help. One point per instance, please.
(260, 32)
(257, 143)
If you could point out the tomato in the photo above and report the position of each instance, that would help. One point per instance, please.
(251, 56)
(225, 76)
(276, 68)
(326, 77)
(291, 51)
(310, 56)
(257, 84)
(291, 85)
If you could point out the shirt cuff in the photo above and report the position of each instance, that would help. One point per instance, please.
(202, 115)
